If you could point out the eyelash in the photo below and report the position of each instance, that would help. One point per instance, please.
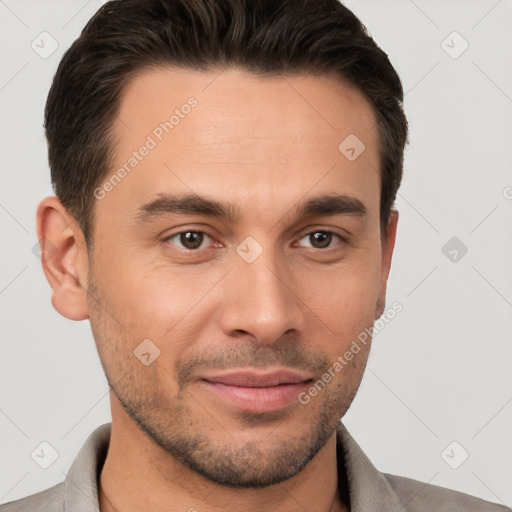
(325, 231)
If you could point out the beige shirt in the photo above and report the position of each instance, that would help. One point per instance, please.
(369, 489)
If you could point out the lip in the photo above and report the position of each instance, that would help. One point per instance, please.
(257, 390)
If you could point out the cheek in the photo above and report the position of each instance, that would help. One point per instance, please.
(345, 299)
(161, 302)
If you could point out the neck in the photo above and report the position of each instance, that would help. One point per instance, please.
(139, 475)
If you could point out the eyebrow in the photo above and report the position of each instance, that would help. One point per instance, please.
(192, 204)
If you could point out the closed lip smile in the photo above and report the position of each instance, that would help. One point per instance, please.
(257, 390)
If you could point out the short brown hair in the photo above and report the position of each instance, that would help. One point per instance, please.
(268, 37)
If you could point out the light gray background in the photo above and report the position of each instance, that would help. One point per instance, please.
(439, 372)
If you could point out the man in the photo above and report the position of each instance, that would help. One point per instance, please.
(225, 173)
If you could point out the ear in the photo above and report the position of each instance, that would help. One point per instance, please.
(388, 244)
(64, 258)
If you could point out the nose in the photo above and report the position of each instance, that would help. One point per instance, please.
(261, 301)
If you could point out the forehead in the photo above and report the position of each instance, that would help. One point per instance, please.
(230, 131)
(294, 106)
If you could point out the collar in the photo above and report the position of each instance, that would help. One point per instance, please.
(368, 488)
(81, 483)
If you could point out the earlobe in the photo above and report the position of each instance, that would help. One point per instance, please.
(64, 258)
(388, 246)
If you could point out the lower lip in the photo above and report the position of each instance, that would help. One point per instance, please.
(258, 399)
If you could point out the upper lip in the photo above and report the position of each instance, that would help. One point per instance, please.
(258, 378)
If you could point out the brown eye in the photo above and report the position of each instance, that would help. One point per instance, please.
(189, 240)
(320, 239)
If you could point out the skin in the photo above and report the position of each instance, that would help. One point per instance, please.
(263, 145)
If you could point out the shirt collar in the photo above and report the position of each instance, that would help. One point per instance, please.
(81, 484)
(368, 489)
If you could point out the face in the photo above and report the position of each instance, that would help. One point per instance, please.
(235, 259)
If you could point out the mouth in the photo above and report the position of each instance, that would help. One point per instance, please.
(257, 391)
